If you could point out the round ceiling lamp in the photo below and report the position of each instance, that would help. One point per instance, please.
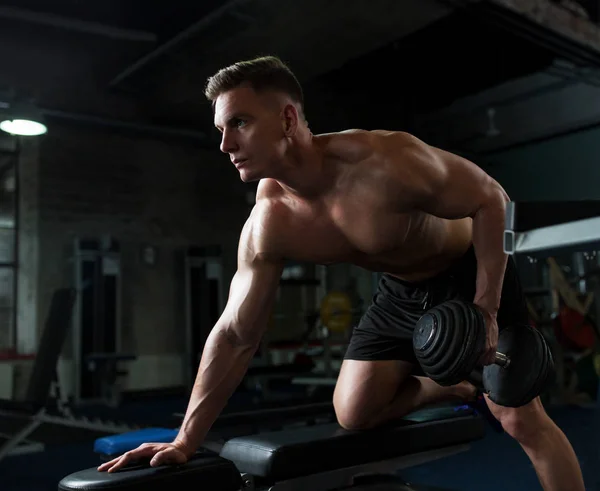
(23, 119)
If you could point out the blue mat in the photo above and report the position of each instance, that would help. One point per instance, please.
(119, 444)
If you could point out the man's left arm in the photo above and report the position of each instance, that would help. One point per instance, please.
(449, 186)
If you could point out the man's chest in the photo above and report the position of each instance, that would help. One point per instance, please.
(345, 231)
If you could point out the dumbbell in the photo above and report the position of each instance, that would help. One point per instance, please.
(449, 339)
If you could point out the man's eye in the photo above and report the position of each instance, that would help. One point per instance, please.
(239, 123)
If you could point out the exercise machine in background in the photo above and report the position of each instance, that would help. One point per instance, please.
(203, 294)
(97, 352)
(557, 243)
(41, 416)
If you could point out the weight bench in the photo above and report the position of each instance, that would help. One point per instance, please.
(24, 417)
(227, 425)
(316, 458)
(21, 422)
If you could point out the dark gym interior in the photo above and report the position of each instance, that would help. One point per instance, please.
(120, 223)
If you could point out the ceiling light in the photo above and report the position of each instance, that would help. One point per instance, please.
(23, 127)
(23, 119)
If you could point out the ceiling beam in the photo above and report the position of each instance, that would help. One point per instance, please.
(184, 35)
(76, 25)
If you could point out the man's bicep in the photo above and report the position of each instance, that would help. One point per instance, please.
(260, 265)
(251, 296)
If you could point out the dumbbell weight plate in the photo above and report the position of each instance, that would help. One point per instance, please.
(447, 341)
(520, 382)
(435, 340)
(471, 342)
(546, 371)
(537, 386)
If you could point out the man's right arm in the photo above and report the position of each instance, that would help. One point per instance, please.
(232, 342)
(235, 338)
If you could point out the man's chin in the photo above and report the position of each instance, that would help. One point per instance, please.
(248, 177)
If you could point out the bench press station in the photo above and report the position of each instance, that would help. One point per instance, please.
(322, 457)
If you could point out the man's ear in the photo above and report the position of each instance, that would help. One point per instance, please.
(289, 120)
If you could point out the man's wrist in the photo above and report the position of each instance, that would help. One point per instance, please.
(184, 447)
(491, 311)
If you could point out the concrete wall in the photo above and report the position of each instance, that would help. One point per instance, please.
(28, 257)
(140, 192)
(8, 161)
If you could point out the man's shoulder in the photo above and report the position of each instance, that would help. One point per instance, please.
(269, 190)
(270, 210)
(265, 230)
(359, 145)
(397, 139)
(348, 145)
(366, 136)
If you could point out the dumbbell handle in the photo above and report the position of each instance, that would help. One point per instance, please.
(502, 360)
(476, 376)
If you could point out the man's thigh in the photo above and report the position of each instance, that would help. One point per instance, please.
(365, 387)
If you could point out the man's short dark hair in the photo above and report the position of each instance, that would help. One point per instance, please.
(263, 73)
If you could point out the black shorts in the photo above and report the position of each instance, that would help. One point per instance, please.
(385, 330)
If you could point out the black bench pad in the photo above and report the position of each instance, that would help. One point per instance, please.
(287, 454)
(20, 408)
(209, 471)
(284, 455)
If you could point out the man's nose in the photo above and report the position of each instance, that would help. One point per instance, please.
(228, 143)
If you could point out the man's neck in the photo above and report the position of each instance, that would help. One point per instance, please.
(304, 173)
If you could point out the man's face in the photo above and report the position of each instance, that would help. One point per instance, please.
(252, 132)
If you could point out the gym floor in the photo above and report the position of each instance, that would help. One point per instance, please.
(494, 463)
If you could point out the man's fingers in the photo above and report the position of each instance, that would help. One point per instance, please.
(168, 456)
(160, 458)
(158, 453)
(488, 357)
(120, 462)
(123, 461)
(108, 464)
(491, 357)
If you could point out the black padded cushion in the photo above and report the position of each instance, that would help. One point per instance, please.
(20, 408)
(288, 454)
(200, 472)
(50, 346)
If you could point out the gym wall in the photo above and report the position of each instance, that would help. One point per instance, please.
(563, 168)
(139, 192)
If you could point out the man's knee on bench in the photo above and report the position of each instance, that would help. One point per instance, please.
(352, 413)
(353, 417)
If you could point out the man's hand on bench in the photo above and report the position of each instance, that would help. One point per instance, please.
(154, 453)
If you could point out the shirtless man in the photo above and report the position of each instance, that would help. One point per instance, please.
(382, 200)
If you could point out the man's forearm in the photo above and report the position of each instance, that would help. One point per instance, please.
(223, 365)
(488, 230)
